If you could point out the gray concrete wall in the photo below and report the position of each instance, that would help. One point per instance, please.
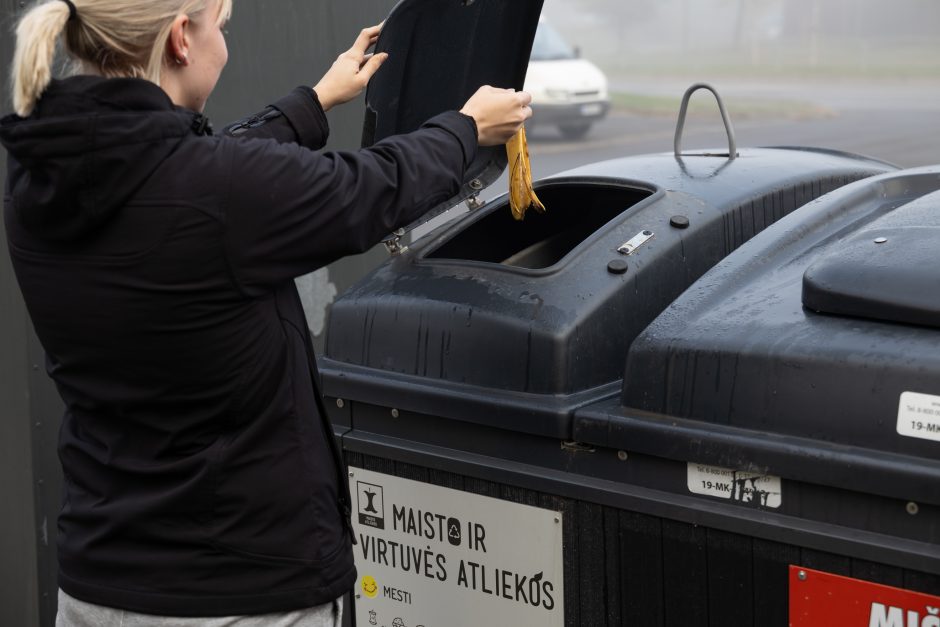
(274, 45)
(19, 579)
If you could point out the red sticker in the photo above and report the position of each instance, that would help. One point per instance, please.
(819, 599)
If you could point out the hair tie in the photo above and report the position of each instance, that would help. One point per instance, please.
(73, 12)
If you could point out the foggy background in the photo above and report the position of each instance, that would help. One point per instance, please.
(856, 75)
(866, 39)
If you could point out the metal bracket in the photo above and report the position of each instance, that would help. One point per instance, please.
(629, 247)
(683, 111)
(474, 203)
(394, 245)
(576, 447)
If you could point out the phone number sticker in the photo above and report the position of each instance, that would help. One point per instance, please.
(919, 416)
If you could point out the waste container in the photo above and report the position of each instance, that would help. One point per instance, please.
(451, 365)
(464, 374)
(458, 364)
(770, 455)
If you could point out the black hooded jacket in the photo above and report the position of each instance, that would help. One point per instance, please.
(156, 262)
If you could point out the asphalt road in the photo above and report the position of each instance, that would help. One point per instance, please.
(895, 122)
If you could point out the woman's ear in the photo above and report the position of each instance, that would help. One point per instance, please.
(177, 45)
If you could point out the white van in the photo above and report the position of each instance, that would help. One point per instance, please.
(567, 91)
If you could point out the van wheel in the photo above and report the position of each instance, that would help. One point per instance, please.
(574, 131)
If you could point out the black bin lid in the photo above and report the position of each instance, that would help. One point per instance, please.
(440, 53)
(741, 372)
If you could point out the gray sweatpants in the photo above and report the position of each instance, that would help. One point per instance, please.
(75, 613)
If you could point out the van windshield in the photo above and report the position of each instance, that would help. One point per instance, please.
(549, 45)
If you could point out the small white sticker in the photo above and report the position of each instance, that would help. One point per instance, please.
(744, 487)
(919, 416)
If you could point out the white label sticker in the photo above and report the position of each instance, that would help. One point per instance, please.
(735, 485)
(919, 416)
(430, 556)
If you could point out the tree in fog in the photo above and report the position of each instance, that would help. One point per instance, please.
(622, 14)
(863, 18)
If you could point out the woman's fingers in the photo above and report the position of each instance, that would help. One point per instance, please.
(371, 66)
(367, 37)
(352, 70)
(499, 113)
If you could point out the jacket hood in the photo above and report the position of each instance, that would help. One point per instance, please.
(86, 149)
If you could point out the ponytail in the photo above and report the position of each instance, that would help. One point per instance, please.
(36, 37)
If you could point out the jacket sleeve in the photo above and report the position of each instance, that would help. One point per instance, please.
(296, 118)
(290, 210)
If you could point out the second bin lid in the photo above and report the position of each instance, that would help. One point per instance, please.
(738, 350)
(440, 53)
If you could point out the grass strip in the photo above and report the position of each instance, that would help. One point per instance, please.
(653, 105)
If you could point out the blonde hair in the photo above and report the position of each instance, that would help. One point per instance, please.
(117, 37)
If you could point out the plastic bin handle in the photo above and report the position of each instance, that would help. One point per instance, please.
(684, 109)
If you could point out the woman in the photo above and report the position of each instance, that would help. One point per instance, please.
(156, 261)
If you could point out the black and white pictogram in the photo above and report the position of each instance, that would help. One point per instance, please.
(371, 505)
(453, 531)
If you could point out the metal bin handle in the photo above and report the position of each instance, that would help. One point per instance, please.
(684, 109)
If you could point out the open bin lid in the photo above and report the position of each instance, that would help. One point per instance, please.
(440, 53)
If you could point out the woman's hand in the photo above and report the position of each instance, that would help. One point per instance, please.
(499, 113)
(351, 71)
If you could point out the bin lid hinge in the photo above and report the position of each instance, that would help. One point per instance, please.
(394, 245)
(474, 203)
(576, 447)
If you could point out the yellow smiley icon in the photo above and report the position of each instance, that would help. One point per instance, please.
(369, 587)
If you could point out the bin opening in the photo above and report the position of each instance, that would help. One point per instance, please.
(573, 213)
